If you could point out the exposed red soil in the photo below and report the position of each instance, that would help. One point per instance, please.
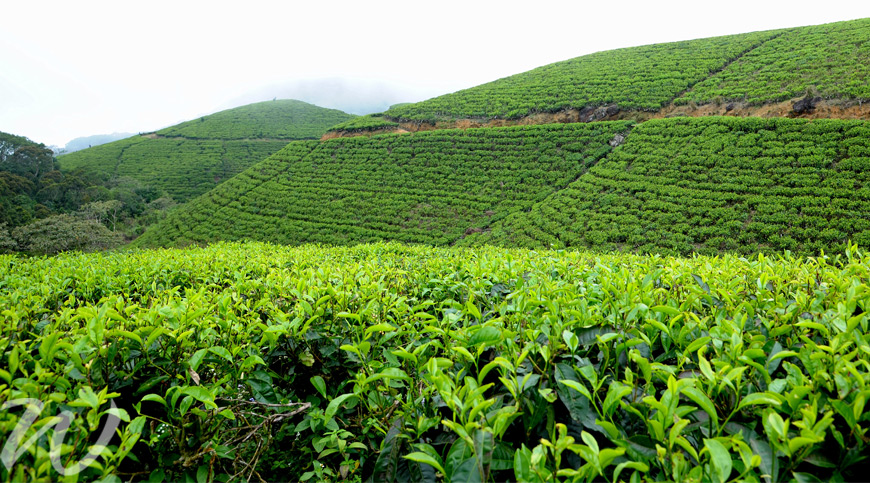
(350, 134)
(824, 109)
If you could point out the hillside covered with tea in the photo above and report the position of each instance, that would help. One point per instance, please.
(428, 187)
(711, 185)
(189, 159)
(674, 289)
(677, 186)
(830, 61)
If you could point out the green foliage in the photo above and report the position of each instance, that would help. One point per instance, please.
(389, 362)
(32, 189)
(428, 187)
(831, 60)
(7, 243)
(369, 122)
(25, 158)
(285, 119)
(646, 78)
(710, 185)
(31, 186)
(60, 233)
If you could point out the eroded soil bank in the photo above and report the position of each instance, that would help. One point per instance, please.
(815, 109)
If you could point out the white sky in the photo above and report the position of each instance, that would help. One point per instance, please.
(77, 68)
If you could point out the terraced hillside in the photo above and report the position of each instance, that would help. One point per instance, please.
(430, 187)
(711, 184)
(678, 185)
(831, 61)
(191, 158)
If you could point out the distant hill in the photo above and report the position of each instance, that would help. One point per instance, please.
(78, 144)
(829, 61)
(279, 119)
(431, 187)
(190, 158)
(352, 95)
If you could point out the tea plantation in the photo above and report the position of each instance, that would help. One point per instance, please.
(428, 187)
(390, 362)
(645, 77)
(189, 159)
(678, 299)
(829, 60)
(675, 186)
(711, 185)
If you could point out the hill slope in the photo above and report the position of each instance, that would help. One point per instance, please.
(712, 184)
(678, 185)
(426, 187)
(831, 61)
(755, 67)
(675, 186)
(191, 158)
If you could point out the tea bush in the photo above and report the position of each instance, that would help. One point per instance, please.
(829, 60)
(383, 362)
(642, 78)
(370, 122)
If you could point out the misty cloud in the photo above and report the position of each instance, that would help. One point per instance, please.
(355, 96)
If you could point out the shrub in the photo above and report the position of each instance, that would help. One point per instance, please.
(63, 233)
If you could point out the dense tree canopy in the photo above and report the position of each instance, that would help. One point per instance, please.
(44, 210)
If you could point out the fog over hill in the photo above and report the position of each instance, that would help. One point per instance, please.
(354, 96)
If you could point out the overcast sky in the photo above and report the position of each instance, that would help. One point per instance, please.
(77, 68)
